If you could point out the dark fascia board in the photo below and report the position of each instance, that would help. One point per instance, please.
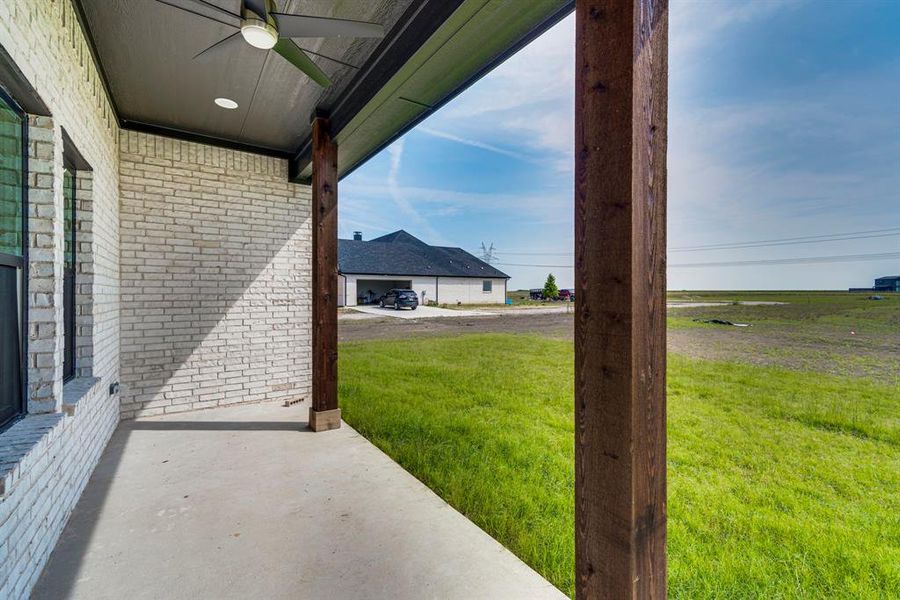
(18, 88)
(418, 23)
(304, 154)
(72, 158)
(203, 139)
(95, 56)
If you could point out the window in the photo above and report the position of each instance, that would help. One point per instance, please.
(13, 313)
(69, 271)
(486, 286)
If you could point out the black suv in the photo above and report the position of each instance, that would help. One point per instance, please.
(399, 299)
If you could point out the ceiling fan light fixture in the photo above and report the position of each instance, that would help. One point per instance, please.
(259, 33)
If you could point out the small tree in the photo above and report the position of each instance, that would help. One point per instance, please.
(551, 292)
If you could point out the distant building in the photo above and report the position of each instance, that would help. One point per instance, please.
(890, 283)
(368, 269)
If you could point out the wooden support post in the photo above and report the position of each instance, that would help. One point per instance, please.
(620, 317)
(324, 413)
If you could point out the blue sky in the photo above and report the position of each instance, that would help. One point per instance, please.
(784, 121)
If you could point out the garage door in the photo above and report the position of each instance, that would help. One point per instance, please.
(370, 291)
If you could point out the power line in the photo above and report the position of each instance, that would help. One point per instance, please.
(802, 260)
(534, 253)
(547, 266)
(785, 242)
(810, 239)
(806, 237)
(740, 263)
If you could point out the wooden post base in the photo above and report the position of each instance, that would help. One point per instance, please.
(324, 420)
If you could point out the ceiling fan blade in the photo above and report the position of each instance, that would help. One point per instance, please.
(326, 57)
(294, 55)
(300, 26)
(204, 9)
(232, 40)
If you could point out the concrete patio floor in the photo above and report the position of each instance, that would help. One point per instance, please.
(246, 502)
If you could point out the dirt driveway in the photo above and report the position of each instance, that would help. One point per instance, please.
(556, 325)
(420, 312)
(791, 347)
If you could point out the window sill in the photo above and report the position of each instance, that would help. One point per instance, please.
(25, 442)
(76, 389)
(22, 445)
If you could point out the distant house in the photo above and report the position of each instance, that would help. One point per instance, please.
(890, 283)
(368, 269)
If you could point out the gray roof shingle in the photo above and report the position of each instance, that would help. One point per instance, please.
(400, 253)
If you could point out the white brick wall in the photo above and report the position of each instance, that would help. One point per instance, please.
(215, 256)
(45, 41)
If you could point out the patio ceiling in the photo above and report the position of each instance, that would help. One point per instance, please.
(432, 50)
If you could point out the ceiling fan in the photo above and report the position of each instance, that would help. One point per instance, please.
(261, 26)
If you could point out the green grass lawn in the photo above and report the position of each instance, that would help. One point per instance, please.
(782, 484)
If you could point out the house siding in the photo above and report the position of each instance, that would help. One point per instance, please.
(216, 274)
(42, 482)
(453, 290)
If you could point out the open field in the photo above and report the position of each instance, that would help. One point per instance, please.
(783, 463)
(837, 333)
(829, 332)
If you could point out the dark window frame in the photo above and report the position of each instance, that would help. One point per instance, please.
(487, 286)
(70, 275)
(21, 263)
(78, 167)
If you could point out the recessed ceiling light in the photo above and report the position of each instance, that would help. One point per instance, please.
(226, 103)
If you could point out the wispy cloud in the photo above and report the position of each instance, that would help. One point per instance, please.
(475, 144)
(361, 212)
(515, 206)
(696, 24)
(526, 103)
(398, 193)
